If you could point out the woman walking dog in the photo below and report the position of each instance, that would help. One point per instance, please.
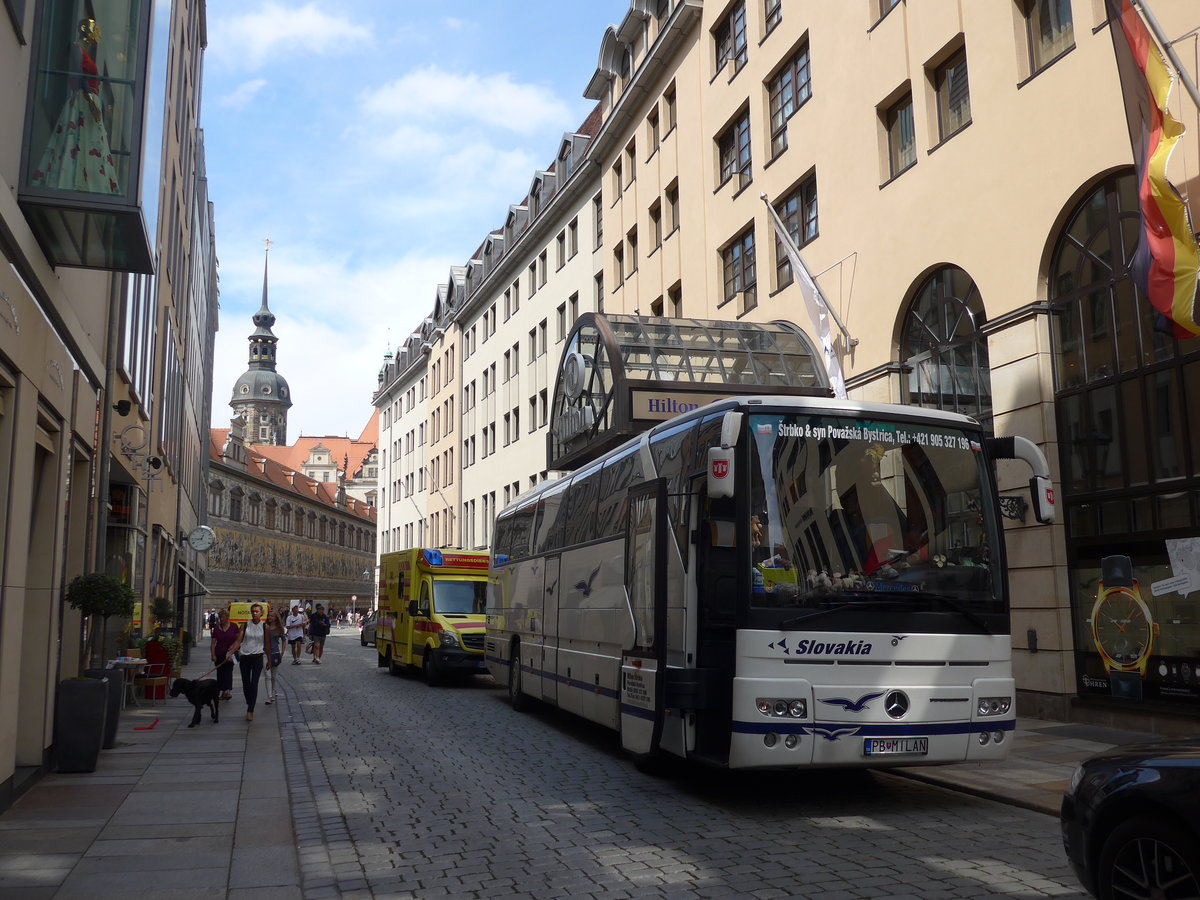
(252, 649)
(224, 636)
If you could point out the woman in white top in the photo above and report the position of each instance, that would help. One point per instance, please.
(251, 648)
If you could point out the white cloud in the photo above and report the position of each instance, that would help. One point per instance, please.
(332, 322)
(275, 30)
(241, 96)
(433, 95)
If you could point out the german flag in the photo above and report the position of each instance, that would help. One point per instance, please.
(1167, 260)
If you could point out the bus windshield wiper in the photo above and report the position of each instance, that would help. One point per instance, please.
(954, 606)
(856, 596)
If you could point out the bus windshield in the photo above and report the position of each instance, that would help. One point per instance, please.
(852, 513)
(459, 597)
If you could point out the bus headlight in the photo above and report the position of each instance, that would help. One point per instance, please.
(782, 707)
(994, 706)
(448, 638)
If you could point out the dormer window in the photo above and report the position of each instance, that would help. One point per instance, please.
(266, 389)
(245, 388)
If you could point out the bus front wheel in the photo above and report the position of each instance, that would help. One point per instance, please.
(516, 697)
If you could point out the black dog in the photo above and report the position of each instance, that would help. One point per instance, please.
(201, 693)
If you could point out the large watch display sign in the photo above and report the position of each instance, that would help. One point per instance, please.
(1138, 627)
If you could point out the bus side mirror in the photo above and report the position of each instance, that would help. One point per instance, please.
(720, 472)
(1041, 491)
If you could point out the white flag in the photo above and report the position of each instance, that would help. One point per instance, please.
(818, 313)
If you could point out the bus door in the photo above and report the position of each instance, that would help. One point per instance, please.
(716, 634)
(550, 630)
(643, 667)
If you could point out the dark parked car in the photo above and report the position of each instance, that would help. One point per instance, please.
(367, 634)
(1131, 821)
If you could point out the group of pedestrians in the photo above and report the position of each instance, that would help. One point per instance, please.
(257, 646)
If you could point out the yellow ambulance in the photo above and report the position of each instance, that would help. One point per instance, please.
(431, 612)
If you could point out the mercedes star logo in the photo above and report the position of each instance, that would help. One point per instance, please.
(896, 704)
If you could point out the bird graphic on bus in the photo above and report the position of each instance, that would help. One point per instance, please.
(851, 705)
(585, 587)
(831, 734)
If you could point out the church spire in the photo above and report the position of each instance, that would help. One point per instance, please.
(261, 395)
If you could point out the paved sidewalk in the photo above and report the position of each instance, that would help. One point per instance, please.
(169, 811)
(204, 812)
(1043, 756)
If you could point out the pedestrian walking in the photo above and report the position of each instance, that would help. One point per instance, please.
(318, 629)
(296, 625)
(276, 634)
(251, 647)
(224, 636)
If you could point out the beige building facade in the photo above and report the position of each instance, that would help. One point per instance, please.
(105, 339)
(958, 177)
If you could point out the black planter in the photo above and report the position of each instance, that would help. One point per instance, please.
(79, 715)
(116, 687)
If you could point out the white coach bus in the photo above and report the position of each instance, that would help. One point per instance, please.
(772, 581)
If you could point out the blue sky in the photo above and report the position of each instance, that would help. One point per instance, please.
(376, 142)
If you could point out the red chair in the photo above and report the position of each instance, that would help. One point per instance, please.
(156, 676)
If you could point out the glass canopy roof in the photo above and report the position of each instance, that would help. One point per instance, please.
(620, 374)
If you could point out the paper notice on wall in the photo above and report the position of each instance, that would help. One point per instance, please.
(1185, 562)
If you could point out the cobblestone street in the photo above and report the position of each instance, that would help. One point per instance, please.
(423, 792)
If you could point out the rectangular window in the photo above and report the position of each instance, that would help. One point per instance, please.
(533, 279)
(598, 217)
(531, 419)
(572, 238)
(739, 271)
(669, 111)
(618, 179)
(953, 95)
(618, 264)
(672, 207)
(598, 287)
(532, 344)
(729, 38)
(630, 163)
(562, 322)
(788, 89)
(656, 225)
(560, 250)
(1050, 31)
(631, 240)
(733, 151)
(542, 269)
(516, 297)
(507, 430)
(675, 301)
(798, 210)
(572, 309)
(542, 338)
(542, 408)
(902, 139)
(652, 130)
(773, 14)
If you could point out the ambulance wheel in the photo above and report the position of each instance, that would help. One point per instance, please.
(380, 660)
(393, 668)
(430, 669)
(516, 697)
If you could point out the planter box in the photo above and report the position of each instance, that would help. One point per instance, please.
(79, 715)
(116, 689)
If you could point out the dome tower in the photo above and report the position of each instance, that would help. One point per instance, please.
(261, 395)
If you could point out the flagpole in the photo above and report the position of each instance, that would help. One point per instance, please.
(779, 227)
(1168, 48)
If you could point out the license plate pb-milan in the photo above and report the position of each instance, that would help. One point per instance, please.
(900, 746)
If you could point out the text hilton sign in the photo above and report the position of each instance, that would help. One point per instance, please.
(667, 404)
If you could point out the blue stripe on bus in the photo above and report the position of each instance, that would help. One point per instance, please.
(562, 679)
(913, 729)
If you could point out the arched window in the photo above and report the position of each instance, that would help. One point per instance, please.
(944, 349)
(1127, 391)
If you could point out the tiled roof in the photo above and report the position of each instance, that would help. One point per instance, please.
(289, 478)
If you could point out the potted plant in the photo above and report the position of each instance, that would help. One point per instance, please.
(163, 612)
(97, 594)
